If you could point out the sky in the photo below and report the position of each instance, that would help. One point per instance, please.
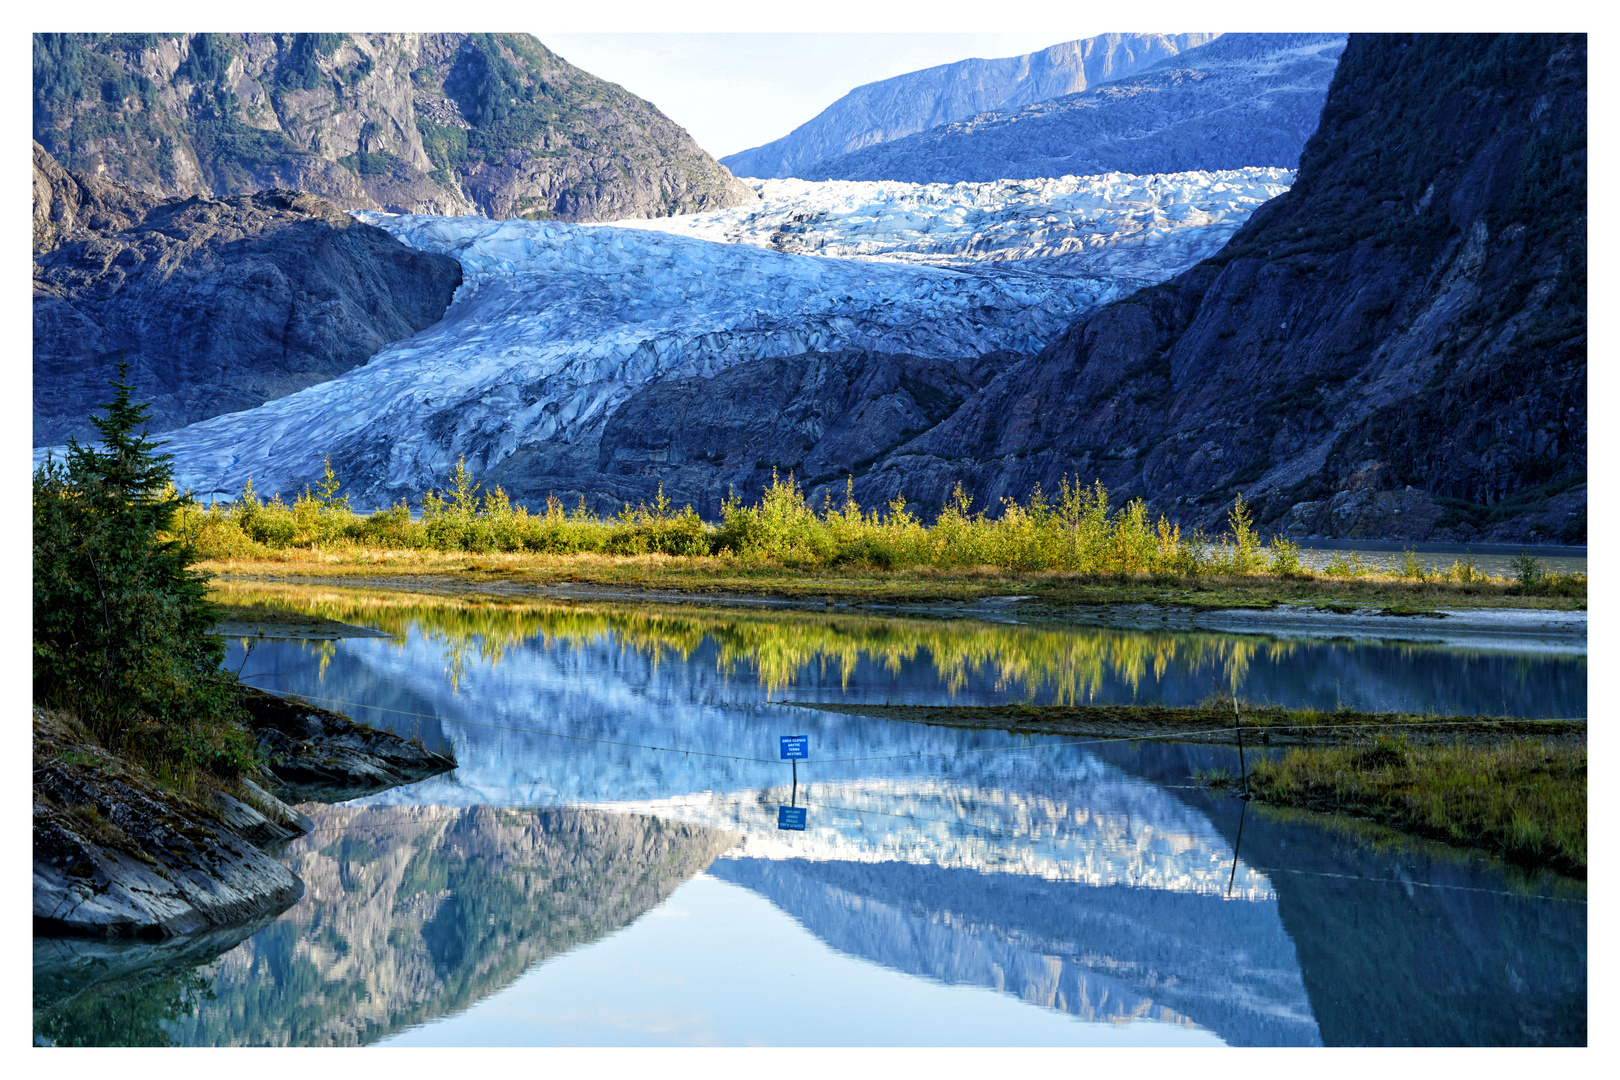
(735, 91)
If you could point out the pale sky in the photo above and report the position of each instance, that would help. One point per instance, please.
(736, 91)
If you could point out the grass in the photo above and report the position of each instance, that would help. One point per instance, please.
(1074, 551)
(1522, 798)
(1211, 722)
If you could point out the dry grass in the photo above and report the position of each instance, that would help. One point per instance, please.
(731, 575)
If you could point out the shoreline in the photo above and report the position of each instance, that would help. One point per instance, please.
(1548, 629)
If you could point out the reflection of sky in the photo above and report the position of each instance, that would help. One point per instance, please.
(719, 965)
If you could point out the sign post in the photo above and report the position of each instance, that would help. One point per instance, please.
(794, 749)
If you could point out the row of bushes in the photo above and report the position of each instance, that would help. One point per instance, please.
(1077, 531)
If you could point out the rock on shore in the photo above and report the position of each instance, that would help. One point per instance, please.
(117, 854)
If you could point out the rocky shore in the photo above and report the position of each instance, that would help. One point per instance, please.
(119, 854)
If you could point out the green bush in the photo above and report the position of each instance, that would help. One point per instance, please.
(121, 622)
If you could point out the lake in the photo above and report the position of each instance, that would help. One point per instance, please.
(607, 865)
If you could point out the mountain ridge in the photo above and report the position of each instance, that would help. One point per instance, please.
(1241, 100)
(450, 124)
(888, 109)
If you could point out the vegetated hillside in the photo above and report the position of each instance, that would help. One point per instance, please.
(1241, 100)
(218, 305)
(495, 124)
(916, 101)
(1396, 347)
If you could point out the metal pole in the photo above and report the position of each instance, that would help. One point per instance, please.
(795, 800)
(1242, 765)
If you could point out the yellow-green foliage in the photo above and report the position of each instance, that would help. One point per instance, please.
(1078, 531)
(1524, 799)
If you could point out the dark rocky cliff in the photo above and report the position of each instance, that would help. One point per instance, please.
(218, 305)
(495, 124)
(1394, 348)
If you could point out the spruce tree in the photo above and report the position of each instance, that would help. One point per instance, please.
(121, 621)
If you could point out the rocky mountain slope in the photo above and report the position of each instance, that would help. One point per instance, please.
(217, 305)
(891, 109)
(1394, 348)
(1241, 100)
(495, 124)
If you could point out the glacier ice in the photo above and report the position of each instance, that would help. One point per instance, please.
(1149, 227)
(555, 325)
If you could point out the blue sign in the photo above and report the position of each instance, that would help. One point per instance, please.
(795, 747)
(791, 817)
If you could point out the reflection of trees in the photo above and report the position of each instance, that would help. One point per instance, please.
(1071, 662)
(125, 1015)
(414, 913)
(89, 992)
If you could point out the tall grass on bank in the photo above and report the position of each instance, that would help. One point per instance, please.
(1078, 531)
(1524, 799)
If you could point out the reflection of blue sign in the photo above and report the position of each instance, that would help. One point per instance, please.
(795, 747)
(790, 817)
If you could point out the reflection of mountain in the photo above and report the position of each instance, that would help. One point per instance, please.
(1397, 961)
(1404, 944)
(860, 657)
(1112, 953)
(412, 914)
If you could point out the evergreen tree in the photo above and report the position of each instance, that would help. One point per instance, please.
(121, 621)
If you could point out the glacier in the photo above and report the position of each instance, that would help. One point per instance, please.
(555, 325)
(1112, 225)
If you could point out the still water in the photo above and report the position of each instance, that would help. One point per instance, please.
(605, 866)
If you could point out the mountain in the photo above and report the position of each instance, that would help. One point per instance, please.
(495, 124)
(890, 109)
(556, 325)
(1241, 100)
(216, 304)
(1396, 347)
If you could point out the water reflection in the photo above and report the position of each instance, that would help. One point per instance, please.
(415, 913)
(1086, 880)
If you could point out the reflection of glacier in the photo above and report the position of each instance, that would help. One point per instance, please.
(927, 794)
(1114, 953)
(892, 806)
(1107, 829)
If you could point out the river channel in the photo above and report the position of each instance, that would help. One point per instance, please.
(609, 865)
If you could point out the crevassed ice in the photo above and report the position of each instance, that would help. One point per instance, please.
(555, 325)
(1114, 224)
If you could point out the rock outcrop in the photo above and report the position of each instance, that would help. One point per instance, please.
(217, 305)
(495, 124)
(321, 756)
(1411, 314)
(890, 109)
(1241, 100)
(119, 854)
